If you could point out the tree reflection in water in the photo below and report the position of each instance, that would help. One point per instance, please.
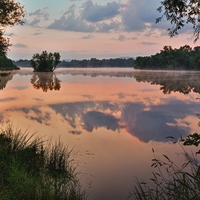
(4, 78)
(45, 81)
(171, 81)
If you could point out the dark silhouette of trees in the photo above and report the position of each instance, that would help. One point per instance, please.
(47, 81)
(11, 13)
(179, 13)
(45, 62)
(93, 62)
(184, 58)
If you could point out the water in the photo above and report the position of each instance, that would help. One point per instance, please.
(112, 118)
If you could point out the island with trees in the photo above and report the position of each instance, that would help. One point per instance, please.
(45, 62)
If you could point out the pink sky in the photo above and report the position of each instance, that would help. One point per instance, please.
(86, 29)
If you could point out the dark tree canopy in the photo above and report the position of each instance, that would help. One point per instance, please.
(11, 13)
(180, 13)
(45, 62)
(4, 44)
(184, 58)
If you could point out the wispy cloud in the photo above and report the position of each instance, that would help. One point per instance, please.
(122, 38)
(88, 36)
(148, 43)
(19, 45)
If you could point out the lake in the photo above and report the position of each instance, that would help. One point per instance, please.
(112, 118)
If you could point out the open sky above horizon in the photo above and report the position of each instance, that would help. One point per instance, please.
(84, 29)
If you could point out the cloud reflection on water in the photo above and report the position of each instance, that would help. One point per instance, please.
(142, 117)
(146, 125)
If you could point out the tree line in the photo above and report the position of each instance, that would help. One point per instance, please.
(93, 62)
(184, 58)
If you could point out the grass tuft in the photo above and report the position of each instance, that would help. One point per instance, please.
(31, 169)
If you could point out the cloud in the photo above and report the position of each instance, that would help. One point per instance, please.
(153, 124)
(36, 114)
(91, 18)
(70, 22)
(19, 45)
(107, 27)
(69, 111)
(75, 132)
(37, 33)
(141, 15)
(95, 13)
(95, 119)
(37, 17)
(8, 99)
(41, 13)
(149, 43)
(124, 38)
(88, 37)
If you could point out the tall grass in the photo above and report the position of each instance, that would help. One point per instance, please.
(169, 181)
(31, 169)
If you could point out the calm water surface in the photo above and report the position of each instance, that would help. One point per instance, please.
(112, 118)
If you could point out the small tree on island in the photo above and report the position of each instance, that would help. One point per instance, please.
(45, 62)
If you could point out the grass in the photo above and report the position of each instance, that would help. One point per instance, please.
(31, 169)
(170, 181)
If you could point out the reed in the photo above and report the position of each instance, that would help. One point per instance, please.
(171, 181)
(33, 169)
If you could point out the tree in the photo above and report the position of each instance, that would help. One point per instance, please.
(179, 13)
(11, 13)
(45, 62)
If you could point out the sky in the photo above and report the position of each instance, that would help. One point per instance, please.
(84, 29)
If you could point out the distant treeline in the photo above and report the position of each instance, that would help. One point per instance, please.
(93, 62)
(184, 58)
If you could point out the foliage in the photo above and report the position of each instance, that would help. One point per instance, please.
(171, 181)
(30, 169)
(184, 58)
(93, 62)
(45, 81)
(6, 64)
(4, 44)
(11, 13)
(179, 13)
(45, 62)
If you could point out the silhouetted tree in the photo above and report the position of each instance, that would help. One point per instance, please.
(11, 13)
(179, 13)
(45, 62)
(184, 58)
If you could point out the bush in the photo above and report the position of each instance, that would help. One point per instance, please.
(32, 170)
